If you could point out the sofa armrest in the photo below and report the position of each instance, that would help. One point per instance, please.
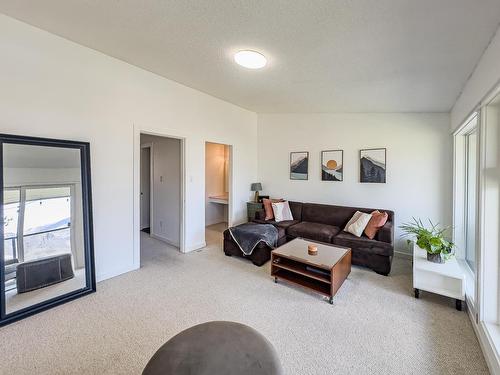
(386, 233)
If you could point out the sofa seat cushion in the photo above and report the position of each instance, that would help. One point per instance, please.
(363, 244)
(286, 224)
(313, 231)
(282, 224)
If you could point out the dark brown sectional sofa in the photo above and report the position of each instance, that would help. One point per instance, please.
(325, 223)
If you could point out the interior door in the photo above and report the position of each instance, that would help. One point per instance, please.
(145, 186)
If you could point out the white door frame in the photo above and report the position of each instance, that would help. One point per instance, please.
(151, 190)
(138, 130)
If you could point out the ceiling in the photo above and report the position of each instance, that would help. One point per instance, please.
(324, 56)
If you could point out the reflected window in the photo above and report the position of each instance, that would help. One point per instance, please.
(47, 221)
(12, 199)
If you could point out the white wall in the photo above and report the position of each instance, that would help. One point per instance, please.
(51, 87)
(484, 78)
(215, 182)
(166, 208)
(419, 161)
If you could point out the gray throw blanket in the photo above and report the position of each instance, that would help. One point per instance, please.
(248, 235)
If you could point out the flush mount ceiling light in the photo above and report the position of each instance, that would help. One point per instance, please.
(250, 59)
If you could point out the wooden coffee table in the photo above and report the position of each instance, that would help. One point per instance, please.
(323, 273)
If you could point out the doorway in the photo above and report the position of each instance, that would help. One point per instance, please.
(217, 190)
(160, 199)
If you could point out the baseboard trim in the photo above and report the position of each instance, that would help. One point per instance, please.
(195, 247)
(118, 272)
(400, 254)
(164, 239)
(486, 343)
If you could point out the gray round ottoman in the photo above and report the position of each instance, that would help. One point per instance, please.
(216, 348)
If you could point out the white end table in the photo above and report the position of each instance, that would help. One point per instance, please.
(446, 279)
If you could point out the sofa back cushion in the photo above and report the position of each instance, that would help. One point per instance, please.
(268, 207)
(296, 208)
(335, 215)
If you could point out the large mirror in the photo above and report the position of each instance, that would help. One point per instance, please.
(46, 253)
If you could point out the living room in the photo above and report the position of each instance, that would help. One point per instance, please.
(411, 85)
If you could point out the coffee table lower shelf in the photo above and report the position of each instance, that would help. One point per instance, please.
(304, 281)
(325, 281)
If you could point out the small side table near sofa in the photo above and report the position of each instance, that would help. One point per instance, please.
(252, 208)
(446, 279)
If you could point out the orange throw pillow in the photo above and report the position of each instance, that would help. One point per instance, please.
(268, 208)
(377, 221)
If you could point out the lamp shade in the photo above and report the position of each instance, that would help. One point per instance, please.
(256, 186)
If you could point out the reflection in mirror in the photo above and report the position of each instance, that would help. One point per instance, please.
(44, 249)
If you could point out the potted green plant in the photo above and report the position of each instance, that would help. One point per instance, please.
(430, 239)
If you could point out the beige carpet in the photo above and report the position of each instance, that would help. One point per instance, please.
(374, 327)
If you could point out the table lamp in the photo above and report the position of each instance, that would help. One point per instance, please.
(256, 186)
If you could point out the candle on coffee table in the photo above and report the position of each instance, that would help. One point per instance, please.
(312, 249)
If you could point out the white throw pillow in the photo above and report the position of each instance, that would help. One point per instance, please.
(282, 211)
(357, 228)
(354, 217)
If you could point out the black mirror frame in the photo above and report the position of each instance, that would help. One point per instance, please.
(90, 287)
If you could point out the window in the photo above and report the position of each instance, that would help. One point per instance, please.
(37, 222)
(471, 197)
(465, 212)
(12, 199)
(476, 214)
(490, 215)
(47, 213)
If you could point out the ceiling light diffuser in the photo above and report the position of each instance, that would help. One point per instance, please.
(250, 59)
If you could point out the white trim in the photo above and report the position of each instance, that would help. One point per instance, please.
(467, 126)
(108, 275)
(196, 247)
(485, 100)
(168, 133)
(490, 95)
(480, 203)
(151, 182)
(164, 239)
(487, 345)
(473, 123)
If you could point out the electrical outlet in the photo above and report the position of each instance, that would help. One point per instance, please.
(161, 178)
